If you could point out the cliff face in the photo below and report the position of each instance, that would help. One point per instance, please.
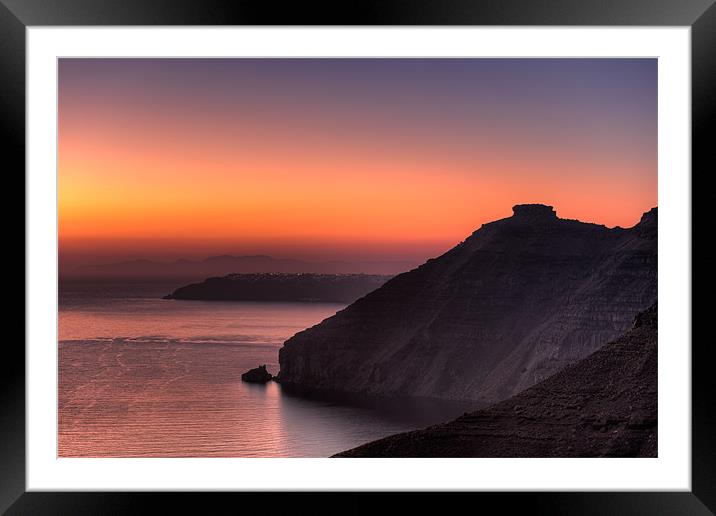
(516, 301)
(603, 406)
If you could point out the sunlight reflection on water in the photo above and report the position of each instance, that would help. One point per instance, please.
(142, 376)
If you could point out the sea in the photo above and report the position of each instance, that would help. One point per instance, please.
(142, 376)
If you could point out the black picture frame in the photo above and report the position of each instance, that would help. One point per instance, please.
(16, 15)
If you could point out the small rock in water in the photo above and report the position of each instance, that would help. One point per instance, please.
(257, 375)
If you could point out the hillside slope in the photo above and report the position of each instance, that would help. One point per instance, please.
(603, 406)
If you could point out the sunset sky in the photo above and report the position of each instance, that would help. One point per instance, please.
(343, 158)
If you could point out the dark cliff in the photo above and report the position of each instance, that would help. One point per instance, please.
(603, 406)
(516, 301)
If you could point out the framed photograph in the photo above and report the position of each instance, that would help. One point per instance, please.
(405, 249)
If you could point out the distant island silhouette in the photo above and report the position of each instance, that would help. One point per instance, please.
(333, 288)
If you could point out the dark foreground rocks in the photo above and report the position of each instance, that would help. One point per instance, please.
(518, 300)
(603, 406)
(257, 375)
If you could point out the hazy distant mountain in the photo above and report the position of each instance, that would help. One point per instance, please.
(191, 270)
(512, 304)
(605, 405)
(334, 288)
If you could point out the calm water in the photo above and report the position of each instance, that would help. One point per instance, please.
(143, 376)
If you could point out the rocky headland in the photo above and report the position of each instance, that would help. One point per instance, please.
(333, 288)
(518, 300)
(603, 406)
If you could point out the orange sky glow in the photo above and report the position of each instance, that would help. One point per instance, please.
(144, 175)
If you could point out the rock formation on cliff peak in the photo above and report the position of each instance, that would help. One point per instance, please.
(533, 213)
(516, 301)
(605, 405)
